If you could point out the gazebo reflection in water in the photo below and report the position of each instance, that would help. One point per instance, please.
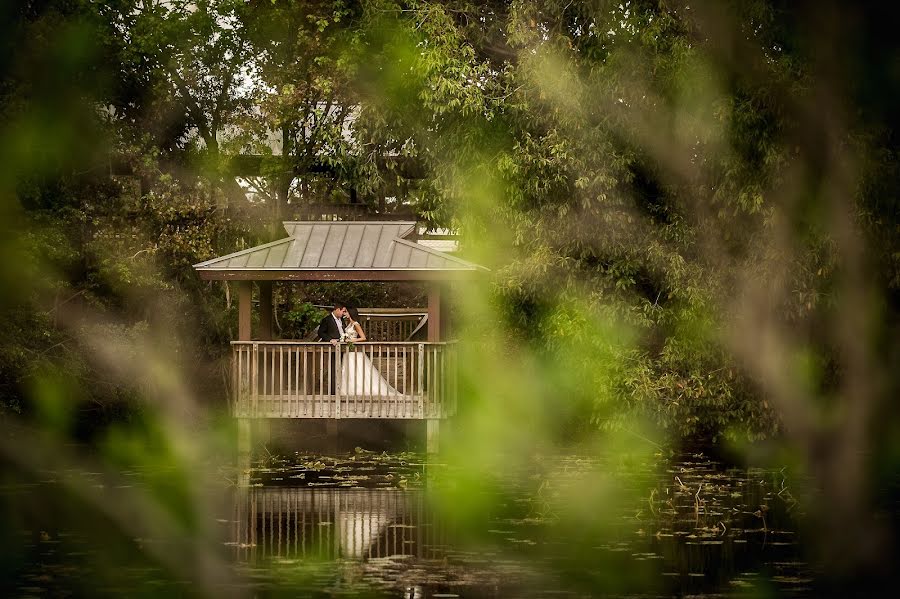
(329, 524)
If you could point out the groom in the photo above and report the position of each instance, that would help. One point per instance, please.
(330, 329)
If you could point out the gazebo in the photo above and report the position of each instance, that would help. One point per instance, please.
(302, 379)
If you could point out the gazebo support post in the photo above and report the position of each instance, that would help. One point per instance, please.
(331, 434)
(432, 425)
(446, 325)
(434, 312)
(263, 432)
(244, 426)
(265, 310)
(244, 295)
(432, 435)
(243, 431)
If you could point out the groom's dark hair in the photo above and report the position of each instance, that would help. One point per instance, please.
(338, 304)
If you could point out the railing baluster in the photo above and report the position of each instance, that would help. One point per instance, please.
(337, 383)
(267, 381)
(299, 379)
(269, 410)
(443, 382)
(235, 380)
(253, 363)
(429, 387)
(371, 392)
(280, 381)
(305, 394)
(317, 356)
(383, 393)
(421, 382)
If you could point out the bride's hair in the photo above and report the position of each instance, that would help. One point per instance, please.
(354, 314)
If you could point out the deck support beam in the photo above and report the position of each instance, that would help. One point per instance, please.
(265, 310)
(263, 433)
(243, 435)
(244, 296)
(432, 435)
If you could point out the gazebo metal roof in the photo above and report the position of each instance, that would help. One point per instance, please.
(339, 251)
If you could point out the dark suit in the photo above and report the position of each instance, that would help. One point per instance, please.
(328, 330)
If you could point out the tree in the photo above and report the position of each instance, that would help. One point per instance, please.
(184, 73)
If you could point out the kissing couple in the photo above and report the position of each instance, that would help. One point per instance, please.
(341, 325)
(358, 374)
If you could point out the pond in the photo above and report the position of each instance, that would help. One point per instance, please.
(379, 524)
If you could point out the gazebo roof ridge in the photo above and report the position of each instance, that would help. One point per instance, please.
(291, 225)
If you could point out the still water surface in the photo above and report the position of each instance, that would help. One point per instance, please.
(384, 523)
(368, 524)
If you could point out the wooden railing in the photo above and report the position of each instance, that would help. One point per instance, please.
(391, 327)
(294, 379)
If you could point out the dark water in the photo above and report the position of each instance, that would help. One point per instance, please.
(368, 524)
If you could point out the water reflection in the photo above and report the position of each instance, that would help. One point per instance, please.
(700, 529)
(332, 524)
(377, 524)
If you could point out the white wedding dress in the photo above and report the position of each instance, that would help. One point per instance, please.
(359, 376)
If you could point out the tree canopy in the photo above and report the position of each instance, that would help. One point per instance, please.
(690, 209)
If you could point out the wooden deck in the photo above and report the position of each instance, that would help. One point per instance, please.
(295, 379)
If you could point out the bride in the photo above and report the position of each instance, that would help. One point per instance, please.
(358, 375)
